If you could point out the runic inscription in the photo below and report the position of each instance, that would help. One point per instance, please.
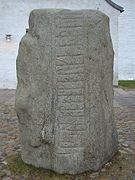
(64, 97)
(70, 112)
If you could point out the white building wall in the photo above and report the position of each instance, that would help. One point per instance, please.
(14, 20)
(113, 15)
(127, 40)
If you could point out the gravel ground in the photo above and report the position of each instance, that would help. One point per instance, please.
(124, 108)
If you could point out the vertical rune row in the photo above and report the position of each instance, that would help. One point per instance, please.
(69, 64)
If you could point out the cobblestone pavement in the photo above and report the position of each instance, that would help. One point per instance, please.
(124, 107)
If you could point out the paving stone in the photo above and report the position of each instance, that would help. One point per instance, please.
(2, 173)
(103, 170)
(7, 178)
(125, 145)
(7, 172)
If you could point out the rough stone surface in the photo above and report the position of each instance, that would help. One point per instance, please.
(64, 98)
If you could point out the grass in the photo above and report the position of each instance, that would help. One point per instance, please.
(16, 165)
(127, 83)
(123, 167)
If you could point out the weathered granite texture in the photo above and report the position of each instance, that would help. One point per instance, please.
(64, 98)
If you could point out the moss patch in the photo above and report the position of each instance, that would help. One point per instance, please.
(16, 165)
(127, 83)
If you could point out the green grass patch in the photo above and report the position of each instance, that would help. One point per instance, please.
(16, 165)
(127, 83)
(119, 169)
